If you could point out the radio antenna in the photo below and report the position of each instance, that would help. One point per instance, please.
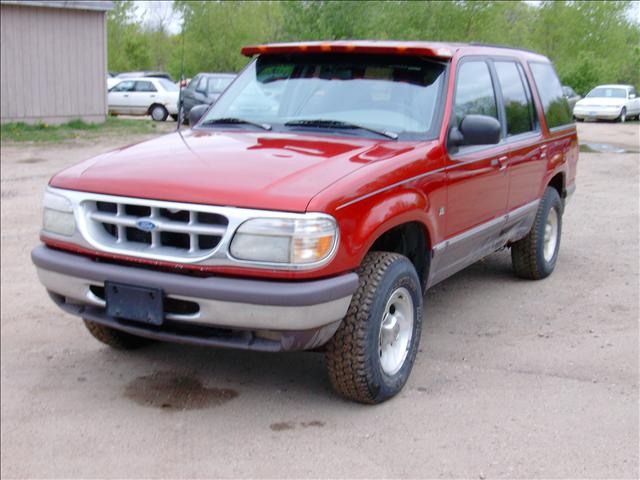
(180, 106)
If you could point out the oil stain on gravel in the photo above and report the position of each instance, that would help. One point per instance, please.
(171, 391)
(32, 160)
(281, 426)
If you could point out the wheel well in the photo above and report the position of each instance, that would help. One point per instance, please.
(410, 240)
(557, 182)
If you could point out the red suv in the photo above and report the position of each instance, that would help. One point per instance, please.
(314, 203)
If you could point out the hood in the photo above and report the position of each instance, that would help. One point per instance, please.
(243, 169)
(606, 101)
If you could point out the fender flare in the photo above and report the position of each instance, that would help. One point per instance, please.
(388, 211)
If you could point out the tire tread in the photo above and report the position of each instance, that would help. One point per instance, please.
(346, 352)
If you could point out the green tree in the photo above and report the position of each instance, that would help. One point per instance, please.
(127, 46)
(590, 42)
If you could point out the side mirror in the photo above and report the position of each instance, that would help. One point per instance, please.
(196, 113)
(476, 130)
(632, 95)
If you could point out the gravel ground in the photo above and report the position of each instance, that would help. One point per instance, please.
(515, 378)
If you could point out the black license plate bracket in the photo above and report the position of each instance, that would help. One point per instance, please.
(135, 303)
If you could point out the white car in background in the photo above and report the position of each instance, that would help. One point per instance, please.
(157, 97)
(608, 102)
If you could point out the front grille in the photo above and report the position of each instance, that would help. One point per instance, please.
(176, 232)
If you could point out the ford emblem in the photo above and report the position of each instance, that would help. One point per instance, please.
(146, 225)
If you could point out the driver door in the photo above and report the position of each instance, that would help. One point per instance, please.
(119, 97)
(477, 175)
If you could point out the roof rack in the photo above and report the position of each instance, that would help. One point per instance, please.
(497, 45)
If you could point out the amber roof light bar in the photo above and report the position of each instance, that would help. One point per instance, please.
(359, 46)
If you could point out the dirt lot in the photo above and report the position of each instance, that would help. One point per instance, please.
(515, 378)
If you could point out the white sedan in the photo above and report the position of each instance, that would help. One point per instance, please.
(608, 102)
(157, 97)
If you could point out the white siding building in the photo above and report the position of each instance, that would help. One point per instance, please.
(54, 61)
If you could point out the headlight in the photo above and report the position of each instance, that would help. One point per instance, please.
(57, 215)
(296, 241)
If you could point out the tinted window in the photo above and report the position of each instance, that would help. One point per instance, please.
(474, 91)
(516, 102)
(126, 86)
(145, 87)
(202, 85)
(556, 107)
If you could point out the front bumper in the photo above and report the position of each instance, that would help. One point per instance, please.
(597, 115)
(231, 312)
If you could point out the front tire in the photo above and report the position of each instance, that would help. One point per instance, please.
(370, 357)
(623, 115)
(158, 113)
(535, 256)
(115, 338)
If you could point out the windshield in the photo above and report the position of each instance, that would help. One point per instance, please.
(168, 85)
(391, 94)
(603, 92)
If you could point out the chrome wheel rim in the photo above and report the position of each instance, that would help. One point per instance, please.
(551, 235)
(157, 113)
(396, 330)
(623, 116)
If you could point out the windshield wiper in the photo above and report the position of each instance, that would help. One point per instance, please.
(339, 124)
(235, 121)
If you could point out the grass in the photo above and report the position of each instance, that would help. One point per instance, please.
(587, 149)
(42, 132)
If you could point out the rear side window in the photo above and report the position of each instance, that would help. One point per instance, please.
(474, 91)
(145, 87)
(517, 103)
(556, 107)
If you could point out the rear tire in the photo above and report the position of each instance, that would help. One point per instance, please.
(370, 357)
(535, 256)
(158, 113)
(115, 338)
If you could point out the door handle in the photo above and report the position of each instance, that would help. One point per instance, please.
(152, 96)
(501, 163)
(126, 95)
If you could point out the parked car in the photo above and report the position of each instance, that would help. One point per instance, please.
(388, 167)
(157, 97)
(112, 82)
(571, 96)
(608, 102)
(146, 74)
(204, 89)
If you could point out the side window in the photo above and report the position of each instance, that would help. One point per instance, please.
(145, 86)
(202, 85)
(516, 102)
(632, 91)
(126, 86)
(474, 91)
(192, 84)
(556, 107)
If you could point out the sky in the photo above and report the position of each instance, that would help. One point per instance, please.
(152, 12)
